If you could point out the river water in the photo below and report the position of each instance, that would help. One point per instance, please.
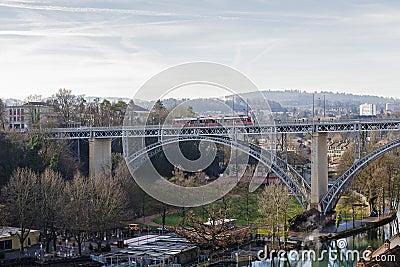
(329, 254)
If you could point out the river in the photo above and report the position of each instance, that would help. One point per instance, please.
(334, 257)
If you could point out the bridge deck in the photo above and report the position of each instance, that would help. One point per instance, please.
(149, 130)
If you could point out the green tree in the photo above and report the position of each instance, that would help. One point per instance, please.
(105, 113)
(182, 111)
(158, 114)
(82, 111)
(34, 158)
(118, 110)
(338, 219)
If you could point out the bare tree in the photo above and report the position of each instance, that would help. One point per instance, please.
(4, 215)
(107, 205)
(50, 202)
(65, 104)
(2, 115)
(346, 160)
(94, 110)
(77, 209)
(20, 198)
(273, 205)
(135, 197)
(215, 234)
(393, 170)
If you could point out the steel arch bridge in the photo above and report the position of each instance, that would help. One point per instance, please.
(285, 127)
(329, 201)
(287, 174)
(296, 183)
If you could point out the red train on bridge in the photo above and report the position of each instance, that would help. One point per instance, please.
(213, 121)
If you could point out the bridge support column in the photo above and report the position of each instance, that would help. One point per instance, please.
(100, 156)
(319, 168)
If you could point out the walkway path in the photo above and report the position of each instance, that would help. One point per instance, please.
(149, 220)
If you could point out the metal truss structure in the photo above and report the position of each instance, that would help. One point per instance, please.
(330, 199)
(221, 134)
(226, 130)
(287, 174)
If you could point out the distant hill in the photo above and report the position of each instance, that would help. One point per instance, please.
(297, 98)
(204, 106)
(278, 100)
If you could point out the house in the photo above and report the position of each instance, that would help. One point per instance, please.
(9, 241)
(386, 255)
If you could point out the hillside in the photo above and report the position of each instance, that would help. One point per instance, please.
(297, 98)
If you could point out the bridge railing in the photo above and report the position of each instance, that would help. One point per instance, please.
(136, 131)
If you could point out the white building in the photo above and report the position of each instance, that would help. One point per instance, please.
(29, 115)
(16, 117)
(367, 109)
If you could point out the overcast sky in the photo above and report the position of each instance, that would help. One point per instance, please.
(110, 48)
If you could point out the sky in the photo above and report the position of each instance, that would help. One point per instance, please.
(111, 48)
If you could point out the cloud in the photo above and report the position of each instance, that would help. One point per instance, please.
(24, 5)
(111, 47)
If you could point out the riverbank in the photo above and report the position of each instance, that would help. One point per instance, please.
(314, 240)
(361, 228)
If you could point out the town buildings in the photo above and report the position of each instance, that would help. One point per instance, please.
(33, 114)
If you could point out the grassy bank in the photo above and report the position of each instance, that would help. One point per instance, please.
(347, 207)
(236, 207)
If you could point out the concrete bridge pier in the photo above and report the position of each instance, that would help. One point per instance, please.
(100, 156)
(319, 168)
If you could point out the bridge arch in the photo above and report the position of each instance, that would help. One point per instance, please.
(329, 201)
(286, 173)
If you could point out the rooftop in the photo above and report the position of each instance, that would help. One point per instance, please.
(153, 247)
(6, 231)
